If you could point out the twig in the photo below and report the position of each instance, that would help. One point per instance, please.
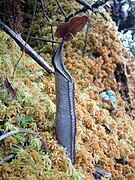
(28, 49)
(86, 35)
(48, 19)
(60, 7)
(28, 132)
(33, 16)
(91, 6)
(74, 14)
(85, 4)
(42, 39)
(7, 158)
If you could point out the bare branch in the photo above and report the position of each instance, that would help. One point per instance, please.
(75, 13)
(62, 11)
(27, 38)
(85, 4)
(43, 39)
(48, 19)
(28, 49)
(86, 34)
(91, 6)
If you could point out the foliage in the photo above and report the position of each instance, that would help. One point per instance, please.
(109, 96)
(22, 122)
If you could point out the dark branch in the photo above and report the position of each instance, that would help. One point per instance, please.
(75, 13)
(42, 39)
(91, 6)
(48, 19)
(29, 50)
(85, 4)
(62, 11)
(27, 38)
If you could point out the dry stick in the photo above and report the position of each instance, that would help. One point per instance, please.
(86, 35)
(7, 158)
(61, 9)
(43, 39)
(28, 132)
(48, 19)
(29, 50)
(33, 16)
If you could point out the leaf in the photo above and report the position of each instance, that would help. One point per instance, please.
(25, 120)
(106, 98)
(110, 92)
(75, 25)
(11, 92)
(113, 99)
(102, 95)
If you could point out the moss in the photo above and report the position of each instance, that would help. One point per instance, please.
(36, 98)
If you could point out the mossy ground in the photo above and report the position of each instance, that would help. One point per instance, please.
(95, 146)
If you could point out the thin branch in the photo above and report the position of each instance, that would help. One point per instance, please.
(42, 39)
(7, 158)
(85, 4)
(48, 19)
(98, 3)
(86, 34)
(28, 132)
(61, 9)
(74, 14)
(27, 38)
(28, 49)
(93, 5)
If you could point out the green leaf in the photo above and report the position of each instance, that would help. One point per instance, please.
(25, 121)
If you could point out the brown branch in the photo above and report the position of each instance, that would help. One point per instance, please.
(28, 49)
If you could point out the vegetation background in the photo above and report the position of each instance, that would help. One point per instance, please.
(105, 135)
